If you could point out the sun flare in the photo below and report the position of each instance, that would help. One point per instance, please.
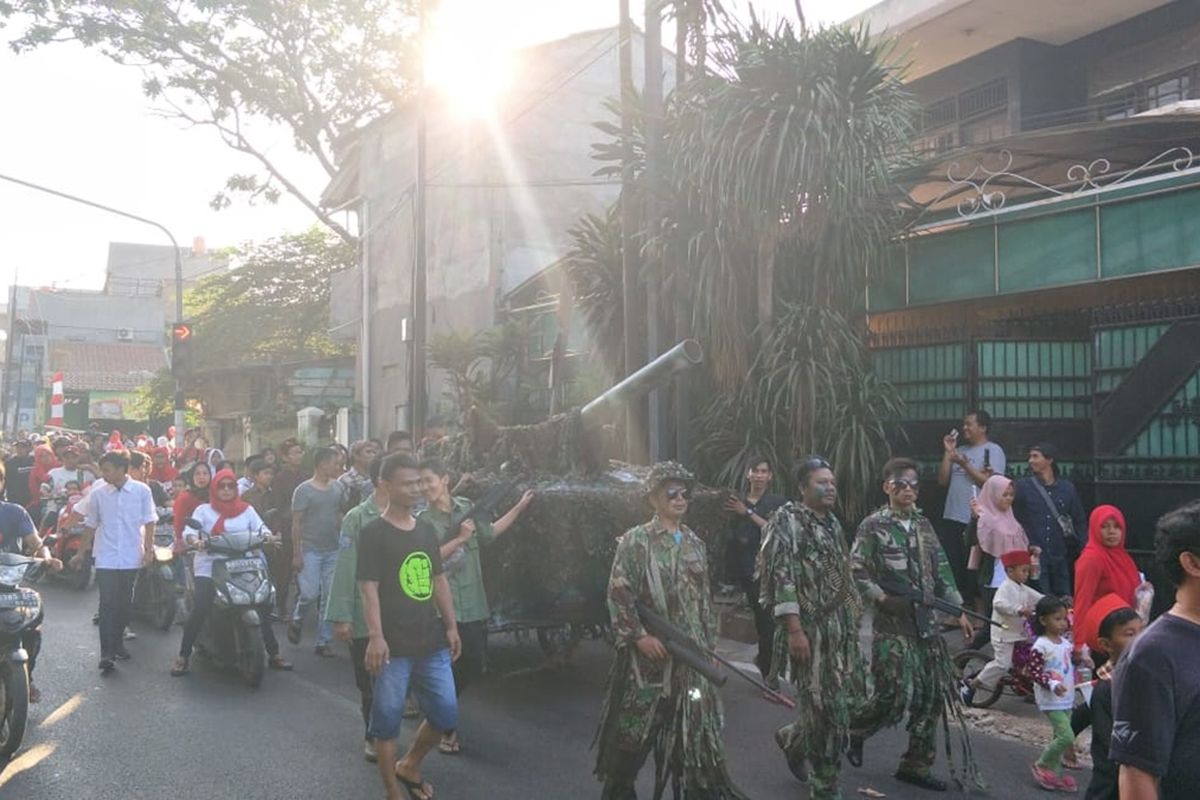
(468, 56)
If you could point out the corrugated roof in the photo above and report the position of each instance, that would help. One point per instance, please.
(89, 366)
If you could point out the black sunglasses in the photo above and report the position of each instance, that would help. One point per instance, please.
(905, 483)
(675, 493)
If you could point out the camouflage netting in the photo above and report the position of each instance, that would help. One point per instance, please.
(558, 446)
(554, 564)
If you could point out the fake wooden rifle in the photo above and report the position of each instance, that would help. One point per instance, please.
(696, 656)
(899, 587)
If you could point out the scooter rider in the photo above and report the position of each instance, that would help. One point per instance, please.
(225, 511)
(17, 535)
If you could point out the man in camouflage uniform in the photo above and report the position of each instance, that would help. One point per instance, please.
(806, 583)
(910, 666)
(655, 703)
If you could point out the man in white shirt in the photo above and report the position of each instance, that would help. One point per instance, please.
(71, 470)
(962, 471)
(119, 532)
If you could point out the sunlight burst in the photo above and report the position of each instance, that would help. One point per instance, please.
(468, 56)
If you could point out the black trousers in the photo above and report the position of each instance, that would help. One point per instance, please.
(116, 597)
(469, 666)
(764, 625)
(202, 602)
(954, 544)
(362, 679)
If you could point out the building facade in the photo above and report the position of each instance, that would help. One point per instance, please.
(1048, 270)
(503, 191)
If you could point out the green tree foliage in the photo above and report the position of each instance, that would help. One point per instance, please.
(272, 306)
(319, 68)
(777, 206)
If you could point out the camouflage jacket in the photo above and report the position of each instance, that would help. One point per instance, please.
(884, 551)
(804, 566)
(670, 578)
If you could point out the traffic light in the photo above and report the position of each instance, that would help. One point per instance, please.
(181, 350)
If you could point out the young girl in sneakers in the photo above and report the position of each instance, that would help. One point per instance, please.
(1053, 677)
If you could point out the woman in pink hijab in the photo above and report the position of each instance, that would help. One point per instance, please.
(999, 531)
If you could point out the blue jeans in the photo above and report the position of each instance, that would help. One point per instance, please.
(315, 579)
(433, 686)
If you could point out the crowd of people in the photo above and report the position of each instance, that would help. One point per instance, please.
(849, 621)
(341, 522)
(386, 558)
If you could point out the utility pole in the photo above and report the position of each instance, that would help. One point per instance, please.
(652, 96)
(179, 401)
(630, 307)
(419, 333)
(679, 283)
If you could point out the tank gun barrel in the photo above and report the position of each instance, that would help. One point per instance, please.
(679, 358)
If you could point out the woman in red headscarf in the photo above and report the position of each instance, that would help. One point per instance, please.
(1105, 566)
(225, 512)
(162, 471)
(44, 460)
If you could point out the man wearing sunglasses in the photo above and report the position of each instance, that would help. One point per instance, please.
(910, 664)
(808, 588)
(653, 703)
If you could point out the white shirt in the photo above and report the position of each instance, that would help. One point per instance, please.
(1010, 598)
(119, 516)
(207, 516)
(959, 492)
(61, 476)
(85, 502)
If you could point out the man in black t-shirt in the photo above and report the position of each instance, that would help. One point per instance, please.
(405, 591)
(1156, 687)
(18, 466)
(751, 513)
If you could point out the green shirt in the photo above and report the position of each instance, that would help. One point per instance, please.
(464, 570)
(345, 603)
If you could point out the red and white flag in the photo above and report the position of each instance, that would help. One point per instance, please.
(56, 401)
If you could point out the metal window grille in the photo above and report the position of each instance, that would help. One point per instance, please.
(984, 99)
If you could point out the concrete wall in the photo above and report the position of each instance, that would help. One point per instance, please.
(485, 234)
(93, 316)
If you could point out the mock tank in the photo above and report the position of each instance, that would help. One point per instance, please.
(552, 568)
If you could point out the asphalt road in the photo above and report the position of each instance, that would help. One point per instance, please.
(526, 730)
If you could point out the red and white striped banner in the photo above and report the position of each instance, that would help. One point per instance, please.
(56, 401)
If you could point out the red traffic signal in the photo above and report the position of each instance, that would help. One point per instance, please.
(182, 332)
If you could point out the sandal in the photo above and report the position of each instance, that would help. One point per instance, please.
(35, 694)
(412, 787)
(180, 667)
(279, 662)
(450, 746)
(1044, 778)
(1070, 759)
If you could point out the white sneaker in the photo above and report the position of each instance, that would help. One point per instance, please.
(369, 750)
(129, 634)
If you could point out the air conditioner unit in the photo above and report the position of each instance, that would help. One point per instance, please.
(124, 334)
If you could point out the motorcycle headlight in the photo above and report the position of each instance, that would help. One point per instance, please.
(238, 596)
(163, 553)
(263, 594)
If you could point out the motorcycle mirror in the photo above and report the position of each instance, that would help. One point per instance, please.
(192, 523)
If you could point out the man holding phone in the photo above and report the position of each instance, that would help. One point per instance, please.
(962, 471)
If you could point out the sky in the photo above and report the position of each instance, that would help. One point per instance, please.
(78, 123)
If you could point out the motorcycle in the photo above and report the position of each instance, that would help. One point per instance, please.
(67, 542)
(232, 635)
(20, 611)
(156, 594)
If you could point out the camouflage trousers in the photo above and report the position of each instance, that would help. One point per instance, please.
(906, 677)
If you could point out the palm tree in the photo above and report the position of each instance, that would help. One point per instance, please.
(780, 153)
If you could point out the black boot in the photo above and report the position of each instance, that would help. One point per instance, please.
(854, 753)
(921, 781)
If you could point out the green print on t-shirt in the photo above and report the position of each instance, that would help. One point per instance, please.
(416, 576)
